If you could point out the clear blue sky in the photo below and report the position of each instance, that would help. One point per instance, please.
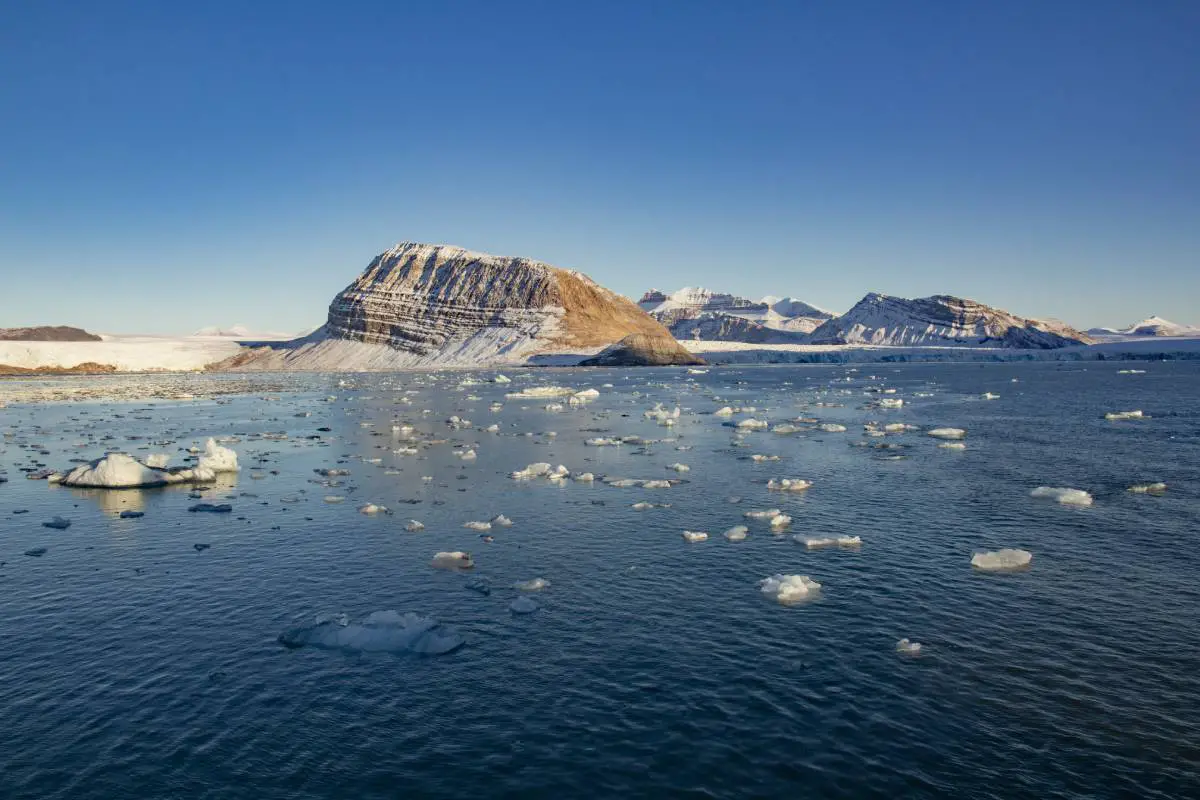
(167, 165)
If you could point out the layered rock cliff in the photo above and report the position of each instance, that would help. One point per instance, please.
(941, 320)
(422, 305)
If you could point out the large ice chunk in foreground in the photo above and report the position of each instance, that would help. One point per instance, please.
(1068, 497)
(218, 458)
(378, 632)
(788, 589)
(115, 471)
(1005, 560)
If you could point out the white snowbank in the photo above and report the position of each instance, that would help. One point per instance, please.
(1002, 560)
(788, 589)
(1068, 497)
(380, 631)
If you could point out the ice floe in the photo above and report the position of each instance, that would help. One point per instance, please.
(380, 631)
(523, 605)
(58, 523)
(947, 433)
(1148, 488)
(478, 526)
(737, 533)
(1122, 415)
(694, 536)
(1066, 496)
(534, 585)
(454, 559)
(839, 541)
(764, 514)
(540, 392)
(414, 526)
(1005, 560)
(788, 589)
(217, 458)
(373, 508)
(789, 485)
(780, 521)
(908, 647)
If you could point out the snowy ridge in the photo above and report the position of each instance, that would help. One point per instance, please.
(1151, 326)
(693, 312)
(940, 320)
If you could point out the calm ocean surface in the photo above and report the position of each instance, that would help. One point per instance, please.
(133, 664)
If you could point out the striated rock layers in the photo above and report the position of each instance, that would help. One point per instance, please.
(48, 333)
(420, 305)
(941, 320)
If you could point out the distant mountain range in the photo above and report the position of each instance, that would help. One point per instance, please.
(1151, 326)
(697, 313)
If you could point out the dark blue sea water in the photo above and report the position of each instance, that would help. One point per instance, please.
(135, 665)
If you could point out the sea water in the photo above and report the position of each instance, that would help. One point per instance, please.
(297, 648)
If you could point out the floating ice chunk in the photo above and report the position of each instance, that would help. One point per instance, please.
(788, 589)
(210, 508)
(372, 508)
(502, 521)
(692, 371)
(1068, 497)
(947, 433)
(478, 526)
(583, 477)
(770, 513)
(1002, 560)
(454, 559)
(656, 484)
(115, 471)
(586, 396)
(554, 407)
(952, 446)
(535, 585)
(759, 459)
(643, 506)
(907, 647)
(333, 498)
(694, 536)
(723, 412)
(737, 533)
(1149, 488)
(780, 521)
(789, 485)
(988, 396)
(493, 428)
(752, 424)
(891, 402)
(466, 455)
(840, 541)
(832, 427)
(622, 483)
(532, 471)
(58, 523)
(332, 473)
(523, 605)
(158, 460)
(540, 392)
(378, 632)
(501, 379)
(784, 429)
(217, 458)
(680, 467)
(1131, 372)
(1120, 415)
(601, 441)
(414, 525)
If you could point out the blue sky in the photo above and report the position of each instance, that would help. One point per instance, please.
(171, 165)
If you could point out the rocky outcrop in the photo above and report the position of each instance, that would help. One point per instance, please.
(712, 326)
(420, 305)
(941, 320)
(641, 350)
(47, 333)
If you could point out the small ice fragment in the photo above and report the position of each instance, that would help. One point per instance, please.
(947, 433)
(372, 508)
(832, 427)
(952, 446)
(891, 402)
(752, 424)
(987, 396)
(788, 589)
(767, 514)
(759, 459)
(217, 458)
(1001, 560)
(502, 521)
(737, 533)
(584, 477)
(158, 460)
(907, 647)
(1148, 488)
(789, 484)
(455, 559)
(1065, 496)
(333, 499)
(694, 536)
(780, 521)
(680, 467)
(478, 526)
(1120, 415)
(840, 541)
(534, 585)
(723, 412)
(414, 526)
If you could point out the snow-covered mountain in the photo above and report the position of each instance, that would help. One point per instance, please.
(941, 320)
(1151, 326)
(423, 305)
(717, 316)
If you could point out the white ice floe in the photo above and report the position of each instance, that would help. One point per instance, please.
(832, 427)
(766, 514)
(493, 428)
(534, 585)
(679, 467)
(414, 526)
(478, 526)
(501, 379)
(694, 536)
(789, 485)
(990, 396)
(788, 589)
(537, 470)
(333, 499)
(780, 521)
(372, 508)
(947, 433)
(602, 441)
(502, 521)
(1120, 415)
(380, 631)
(454, 559)
(1001, 560)
(737, 533)
(583, 477)
(523, 605)
(1148, 488)
(540, 392)
(760, 459)
(586, 396)
(839, 541)
(217, 458)
(907, 647)
(466, 455)
(891, 402)
(656, 484)
(123, 471)
(952, 446)
(1068, 497)
(723, 412)
(752, 424)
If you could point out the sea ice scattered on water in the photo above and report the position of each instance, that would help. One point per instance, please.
(1121, 415)
(789, 484)
(737, 533)
(839, 541)
(217, 458)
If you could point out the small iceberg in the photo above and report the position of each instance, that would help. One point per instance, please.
(767, 514)
(535, 585)
(123, 471)
(891, 402)
(1065, 496)
(839, 541)
(455, 559)
(952, 446)
(737, 533)
(414, 525)
(372, 508)
(789, 589)
(679, 467)
(477, 526)
(947, 433)
(753, 425)
(987, 396)
(694, 536)
(1120, 415)
(502, 521)
(523, 605)
(378, 632)
(908, 647)
(789, 485)
(1149, 488)
(1006, 560)
(832, 427)
(780, 521)
(217, 459)
(723, 412)
(540, 392)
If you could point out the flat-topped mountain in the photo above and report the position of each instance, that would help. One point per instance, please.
(47, 333)
(941, 320)
(439, 305)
